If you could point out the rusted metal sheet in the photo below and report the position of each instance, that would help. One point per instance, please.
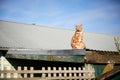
(48, 55)
(69, 58)
(102, 57)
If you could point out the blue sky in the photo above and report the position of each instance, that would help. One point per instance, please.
(99, 16)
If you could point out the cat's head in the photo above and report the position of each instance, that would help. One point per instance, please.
(79, 27)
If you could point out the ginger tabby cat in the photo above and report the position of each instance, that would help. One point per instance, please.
(77, 39)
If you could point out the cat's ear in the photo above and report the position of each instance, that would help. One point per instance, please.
(76, 27)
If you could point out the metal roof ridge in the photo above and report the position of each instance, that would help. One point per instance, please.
(99, 50)
(37, 25)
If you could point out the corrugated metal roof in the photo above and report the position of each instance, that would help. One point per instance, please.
(19, 35)
(102, 42)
